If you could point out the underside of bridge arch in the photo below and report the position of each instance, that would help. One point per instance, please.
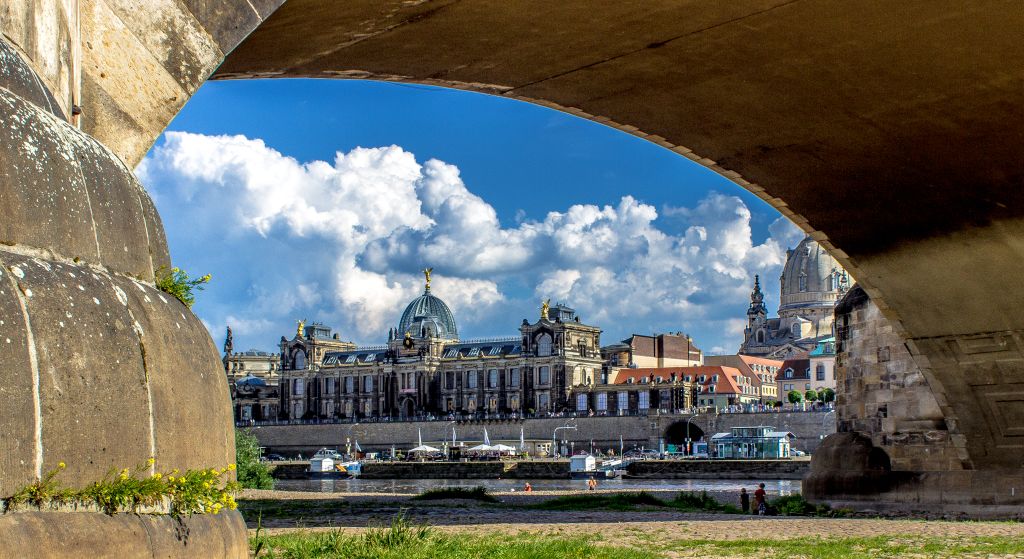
(891, 132)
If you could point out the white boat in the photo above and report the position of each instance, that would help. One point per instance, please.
(321, 464)
(353, 468)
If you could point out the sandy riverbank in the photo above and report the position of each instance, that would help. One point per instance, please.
(290, 510)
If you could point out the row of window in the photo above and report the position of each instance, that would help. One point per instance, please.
(408, 381)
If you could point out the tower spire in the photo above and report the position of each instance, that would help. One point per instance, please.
(756, 298)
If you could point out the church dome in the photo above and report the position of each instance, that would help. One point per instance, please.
(431, 313)
(811, 278)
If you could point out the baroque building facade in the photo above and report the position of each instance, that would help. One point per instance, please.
(424, 369)
(811, 284)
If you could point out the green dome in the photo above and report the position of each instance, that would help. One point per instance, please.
(427, 311)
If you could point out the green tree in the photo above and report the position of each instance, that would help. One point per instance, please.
(252, 473)
(811, 395)
(795, 397)
(828, 395)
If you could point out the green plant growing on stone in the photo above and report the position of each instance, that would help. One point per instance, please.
(252, 473)
(795, 397)
(178, 283)
(192, 492)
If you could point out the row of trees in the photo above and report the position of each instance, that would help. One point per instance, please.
(825, 396)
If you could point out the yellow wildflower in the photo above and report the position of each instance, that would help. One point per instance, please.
(206, 484)
(151, 461)
(232, 467)
(62, 465)
(170, 479)
(158, 475)
(174, 471)
(124, 476)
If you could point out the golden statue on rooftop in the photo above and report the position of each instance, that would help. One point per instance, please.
(544, 307)
(426, 273)
(302, 326)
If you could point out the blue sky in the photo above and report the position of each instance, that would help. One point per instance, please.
(509, 202)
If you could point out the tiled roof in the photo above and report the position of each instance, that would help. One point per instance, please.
(726, 383)
(801, 369)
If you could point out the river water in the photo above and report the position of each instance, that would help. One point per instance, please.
(415, 486)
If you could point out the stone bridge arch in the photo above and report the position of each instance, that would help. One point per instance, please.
(871, 127)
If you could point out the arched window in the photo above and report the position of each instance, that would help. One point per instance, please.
(789, 373)
(544, 345)
(819, 372)
(300, 359)
(760, 336)
(796, 329)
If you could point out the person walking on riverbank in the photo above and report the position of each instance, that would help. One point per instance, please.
(744, 500)
(528, 488)
(759, 501)
(591, 484)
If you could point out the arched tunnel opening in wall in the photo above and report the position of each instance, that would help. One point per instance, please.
(895, 152)
(680, 433)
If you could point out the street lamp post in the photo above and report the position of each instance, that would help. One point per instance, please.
(688, 447)
(449, 449)
(554, 434)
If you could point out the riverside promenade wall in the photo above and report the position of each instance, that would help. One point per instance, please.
(605, 432)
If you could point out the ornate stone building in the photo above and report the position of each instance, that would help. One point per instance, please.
(253, 377)
(811, 284)
(424, 369)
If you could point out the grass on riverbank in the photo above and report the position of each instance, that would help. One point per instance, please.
(402, 540)
(475, 494)
(874, 547)
(688, 502)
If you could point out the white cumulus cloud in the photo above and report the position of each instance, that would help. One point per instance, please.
(344, 242)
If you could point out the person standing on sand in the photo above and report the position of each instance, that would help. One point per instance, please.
(759, 503)
(744, 500)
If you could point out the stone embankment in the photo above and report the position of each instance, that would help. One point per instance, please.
(559, 469)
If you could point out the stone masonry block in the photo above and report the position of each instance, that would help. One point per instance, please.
(184, 49)
(190, 395)
(62, 191)
(92, 384)
(44, 201)
(19, 78)
(17, 415)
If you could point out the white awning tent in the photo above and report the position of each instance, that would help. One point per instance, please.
(481, 448)
(424, 448)
(503, 448)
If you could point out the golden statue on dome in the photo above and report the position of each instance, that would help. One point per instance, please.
(426, 273)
